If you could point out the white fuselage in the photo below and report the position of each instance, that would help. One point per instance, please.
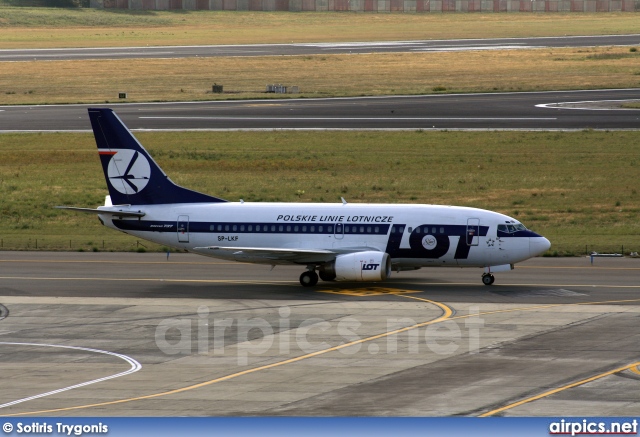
(413, 235)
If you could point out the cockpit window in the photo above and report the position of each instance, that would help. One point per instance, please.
(512, 228)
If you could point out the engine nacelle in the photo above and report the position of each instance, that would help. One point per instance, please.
(360, 266)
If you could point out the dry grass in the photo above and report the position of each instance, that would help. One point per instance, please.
(37, 27)
(321, 75)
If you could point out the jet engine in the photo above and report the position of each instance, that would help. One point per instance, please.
(359, 266)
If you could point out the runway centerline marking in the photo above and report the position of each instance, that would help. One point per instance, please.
(135, 366)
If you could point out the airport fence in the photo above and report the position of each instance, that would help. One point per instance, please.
(384, 6)
(78, 245)
(589, 249)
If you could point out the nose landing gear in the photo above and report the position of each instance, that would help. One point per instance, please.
(487, 279)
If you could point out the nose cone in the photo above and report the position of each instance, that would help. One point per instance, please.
(538, 245)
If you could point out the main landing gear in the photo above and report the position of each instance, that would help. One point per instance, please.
(487, 279)
(309, 278)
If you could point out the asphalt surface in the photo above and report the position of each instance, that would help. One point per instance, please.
(539, 110)
(189, 336)
(314, 48)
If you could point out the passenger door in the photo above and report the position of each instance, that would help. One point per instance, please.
(473, 232)
(183, 229)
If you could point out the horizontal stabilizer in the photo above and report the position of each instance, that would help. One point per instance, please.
(104, 211)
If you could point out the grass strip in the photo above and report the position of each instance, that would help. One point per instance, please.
(576, 188)
(100, 81)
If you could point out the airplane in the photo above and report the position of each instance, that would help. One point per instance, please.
(333, 241)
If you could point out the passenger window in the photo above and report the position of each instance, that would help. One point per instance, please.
(393, 229)
(250, 228)
(226, 228)
(304, 229)
(219, 227)
(368, 229)
(257, 228)
(313, 229)
(288, 228)
(376, 229)
(409, 230)
(235, 228)
(362, 229)
(295, 229)
(280, 228)
(442, 230)
(401, 229)
(241, 228)
(320, 229)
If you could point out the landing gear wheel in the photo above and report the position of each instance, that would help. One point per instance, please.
(309, 278)
(488, 279)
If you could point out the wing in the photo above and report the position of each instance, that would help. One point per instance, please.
(271, 255)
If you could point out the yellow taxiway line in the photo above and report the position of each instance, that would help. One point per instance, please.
(633, 367)
(447, 315)
(447, 312)
(52, 261)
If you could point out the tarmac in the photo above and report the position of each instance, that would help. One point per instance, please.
(113, 334)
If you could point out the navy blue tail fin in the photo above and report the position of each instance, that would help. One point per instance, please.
(133, 177)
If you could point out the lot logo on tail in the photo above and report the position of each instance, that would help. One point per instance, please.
(128, 171)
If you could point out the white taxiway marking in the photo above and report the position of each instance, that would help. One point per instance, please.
(135, 366)
(587, 105)
(69, 55)
(347, 119)
(471, 48)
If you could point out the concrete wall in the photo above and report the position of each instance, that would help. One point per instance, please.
(408, 6)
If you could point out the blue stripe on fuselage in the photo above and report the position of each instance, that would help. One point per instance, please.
(251, 227)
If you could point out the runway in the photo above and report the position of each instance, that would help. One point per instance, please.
(554, 110)
(303, 49)
(556, 336)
